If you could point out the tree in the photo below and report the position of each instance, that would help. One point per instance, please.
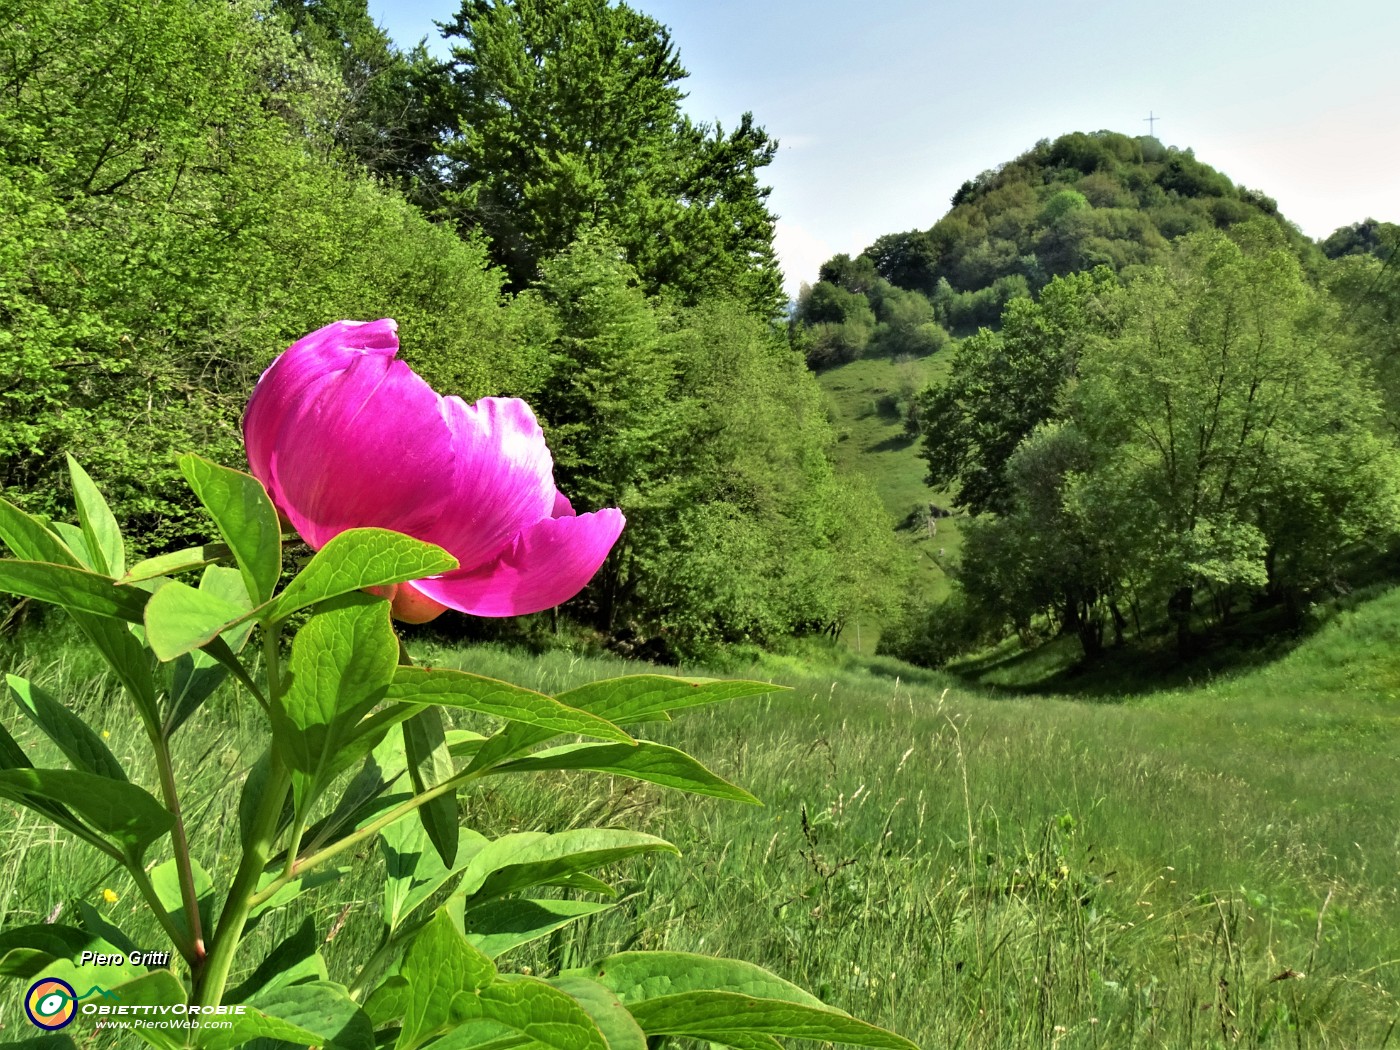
(1235, 434)
(1003, 385)
(568, 116)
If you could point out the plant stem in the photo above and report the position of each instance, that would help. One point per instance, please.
(257, 848)
(148, 892)
(358, 836)
(188, 893)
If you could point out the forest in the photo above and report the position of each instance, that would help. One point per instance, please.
(991, 645)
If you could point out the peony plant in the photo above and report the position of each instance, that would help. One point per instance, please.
(414, 503)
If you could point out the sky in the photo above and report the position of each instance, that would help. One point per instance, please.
(883, 112)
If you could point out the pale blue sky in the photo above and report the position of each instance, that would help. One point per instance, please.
(883, 113)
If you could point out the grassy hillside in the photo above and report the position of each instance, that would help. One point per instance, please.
(1206, 866)
(866, 398)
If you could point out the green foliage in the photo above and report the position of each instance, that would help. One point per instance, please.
(174, 222)
(1205, 437)
(568, 115)
(328, 705)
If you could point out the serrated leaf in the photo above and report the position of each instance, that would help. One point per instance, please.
(176, 562)
(531, 858)
(79, 744)
(430, 764)
(710, 1015)
(644, 760)
(100, 530)
(359, 558)
(617, 1025)
(341, 664)
(180, 618)
(449, 688)
(73, 588)
(122, 814)
(245, 518)
(499, 926)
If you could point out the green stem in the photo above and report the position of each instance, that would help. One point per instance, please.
(188, 894)
(148, 891)
(261, 835)
(360, 835)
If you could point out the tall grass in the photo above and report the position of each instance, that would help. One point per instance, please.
(1206, 866)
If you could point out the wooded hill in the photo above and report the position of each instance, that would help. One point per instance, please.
(1082, 201)
(1174, 408)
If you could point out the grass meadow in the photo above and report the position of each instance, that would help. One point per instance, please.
(1210, 864)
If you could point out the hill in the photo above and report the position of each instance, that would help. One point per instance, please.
(876, 327)
(1082, 201)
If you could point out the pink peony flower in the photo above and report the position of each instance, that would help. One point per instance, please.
(344, 436)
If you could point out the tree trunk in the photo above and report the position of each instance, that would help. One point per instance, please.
(1179, 609)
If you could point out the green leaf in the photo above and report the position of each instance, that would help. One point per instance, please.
(321, 876)
(245, 518)
(72, 588)
(651, 697)
(73, 538)
(294, 959)
(175, 562)
(430, 764)
(99, 925)
(414, 871)
(539, 1011)
(32, 950)
(26, 536)
(530, 858)
(342, 662)
(157, 988)
(438, 685)
(79, 744)
(122, 814)
(129, 660)
(126, 656)
(359, 558)
(439, 966)
(715, 1015)
(319, 1013)
(643, 760)
(100, 530)
(165, 878)
(12, 756)
(622, 701)
(41, 1042)
(635, 976)
(180, 618)
(499, 926)
(617, 1025)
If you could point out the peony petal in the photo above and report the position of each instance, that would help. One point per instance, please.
(503, 479)
(363, 446)
(546, 564)
(278, 391)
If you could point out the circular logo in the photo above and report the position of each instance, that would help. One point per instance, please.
(50, 1003)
